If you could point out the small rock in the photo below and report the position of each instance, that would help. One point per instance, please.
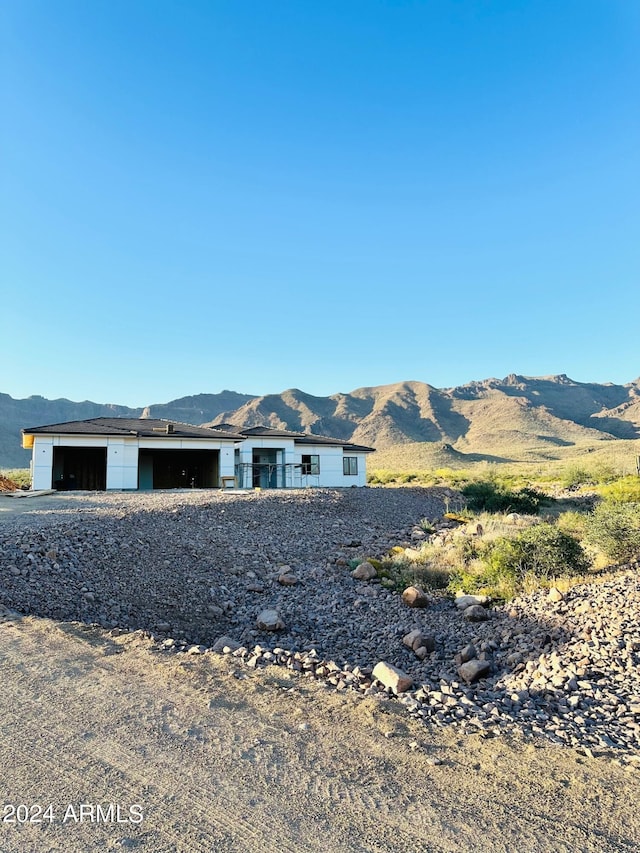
(413, 640)
(269, 620)
(287, 579)
(473, 669)
(413, 596)
(475, 613)
(464, 601)
(468, 653)
(225, 642)
(555, 594)
(364, 572)
(392, 677)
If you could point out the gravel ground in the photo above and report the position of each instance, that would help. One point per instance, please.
(190, 567)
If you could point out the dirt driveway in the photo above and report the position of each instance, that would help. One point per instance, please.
(189, 754)
(24, 508)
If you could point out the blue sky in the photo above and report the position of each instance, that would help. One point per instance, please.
(321, 194)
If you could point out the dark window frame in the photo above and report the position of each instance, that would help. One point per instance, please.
(310, 463)
(350, 466)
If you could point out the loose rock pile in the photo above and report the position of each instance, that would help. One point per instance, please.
(267, 576)
(7, 485)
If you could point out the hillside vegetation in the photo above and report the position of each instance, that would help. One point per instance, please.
(506, 536)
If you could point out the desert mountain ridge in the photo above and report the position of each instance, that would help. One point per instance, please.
(516, 415)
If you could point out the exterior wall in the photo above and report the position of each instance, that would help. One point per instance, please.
(331, 466)
(226, 460)
(360, 479)
(122, 458)
(122, 463)
(42, 462)
(122, 455)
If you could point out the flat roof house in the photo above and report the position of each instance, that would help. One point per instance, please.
(149, 453)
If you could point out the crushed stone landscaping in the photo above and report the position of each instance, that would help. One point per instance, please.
(266, 578)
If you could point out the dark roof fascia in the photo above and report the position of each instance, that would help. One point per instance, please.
(303, 438)
(52, 429)
(333, 442)
(105, 427)
(269, 432)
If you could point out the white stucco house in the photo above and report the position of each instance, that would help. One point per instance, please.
(148, 453)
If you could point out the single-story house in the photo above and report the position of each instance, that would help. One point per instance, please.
(150, 453)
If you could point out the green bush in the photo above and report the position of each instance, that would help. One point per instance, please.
(573, 523)
(615, 529)
(510, 566)
(492, 496)
(575, 476)
(381, 477)
(542, 550)
(624, 490)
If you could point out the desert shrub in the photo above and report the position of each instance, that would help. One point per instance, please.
(426, 575)
(606, 473)
(399, 573)
(407, 477)
(493, 496)
(575, 476)
(452, 476)
(573, 523)
(615, 529)
(432, 567)
(623, 490)
(542, 550)
(508, 566)
(381, 477)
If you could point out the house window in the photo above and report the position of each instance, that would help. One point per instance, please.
(350, 466)
(310, 463)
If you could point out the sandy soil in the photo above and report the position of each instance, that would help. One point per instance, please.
(267, 761)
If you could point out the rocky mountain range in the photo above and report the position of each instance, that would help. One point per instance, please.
(523, 414)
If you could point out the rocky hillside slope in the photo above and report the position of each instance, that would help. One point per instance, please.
(515, 415)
